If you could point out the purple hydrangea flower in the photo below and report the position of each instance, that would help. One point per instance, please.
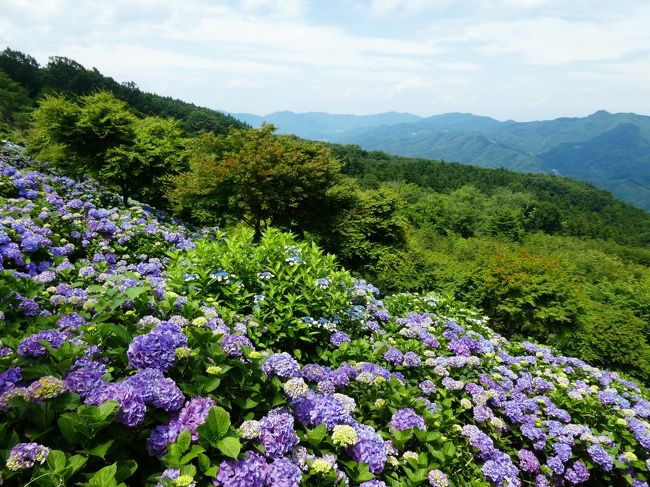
(84, 377)
(9, 378)
(577, 473)
(500, 469)
(370, 448)
(281, 365)
(479, 440)
(277, 433)
(326, 387)
(339, 377)
(482, 414)
(600, 456)
(25, 455)
(314, 409)
(406, 418)
(232, 345)
(31, 346)
(394, 356)
(563, 451)
(528, 462)
(437, 478)
(313, 373)
(194, 414)
(156, 349)
(427, 387)
(283, 473)
(339, 338)
(556, 464)
(373, 483)
(247, 472)
(132, 407)
(412, 359)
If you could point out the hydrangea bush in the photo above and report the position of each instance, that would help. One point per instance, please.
(136, 351)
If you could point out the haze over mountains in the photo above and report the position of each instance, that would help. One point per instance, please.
(612, 151)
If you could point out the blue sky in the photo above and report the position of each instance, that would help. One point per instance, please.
(509, 59)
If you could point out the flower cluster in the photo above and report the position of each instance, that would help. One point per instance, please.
(104, 312)
(26, 455)
(193, 414)
(156, 349)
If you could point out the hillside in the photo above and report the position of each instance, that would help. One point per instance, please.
(584, 210)
(63, 75)
(135, 351)
(608, 150)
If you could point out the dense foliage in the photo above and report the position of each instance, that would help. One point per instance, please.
(545, 258)
(517, 247)
(257, 177)
(100, 136)
(65, 76)
(583, 210)
(135, 351)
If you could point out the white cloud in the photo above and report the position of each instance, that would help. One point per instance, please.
(281, 8)
(381, 8)
(499, 57)
(549, 41)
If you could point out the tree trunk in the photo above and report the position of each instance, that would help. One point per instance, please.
(257, 236)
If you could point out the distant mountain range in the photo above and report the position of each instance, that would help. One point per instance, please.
(612, 151)
(324, 126)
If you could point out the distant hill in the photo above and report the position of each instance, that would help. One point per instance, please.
(608, 150)
(66, 76)
(323, 126)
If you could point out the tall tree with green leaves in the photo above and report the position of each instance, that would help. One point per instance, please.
(23, 69)
(14, 101)
(256, 177)
(101, 136)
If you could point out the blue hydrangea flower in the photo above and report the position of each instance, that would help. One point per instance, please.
(283, 473)
(370, 448)
(339, 338)
(247, 472)
(277, 433)
(281, 365)
(406, 418)
(156, 349)
(600, 456)
(25, 455)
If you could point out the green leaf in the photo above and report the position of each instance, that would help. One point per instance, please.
(449, 450)
(104, 477)
(75, 462)
(134, 292)
(99, 450)
(219, 421)
(204, 462)
(229, 446)
(107, 409)
(184, 439)
(125, 469)
(315, 436)
(193, 453)
(211, 384)
(67, 427)
(56, 460)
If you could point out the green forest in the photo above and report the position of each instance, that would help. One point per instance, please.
(546, 258)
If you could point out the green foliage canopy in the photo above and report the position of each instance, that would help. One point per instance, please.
(109, 142)
(256, 177)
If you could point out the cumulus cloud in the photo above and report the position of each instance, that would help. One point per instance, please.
(506, 58)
